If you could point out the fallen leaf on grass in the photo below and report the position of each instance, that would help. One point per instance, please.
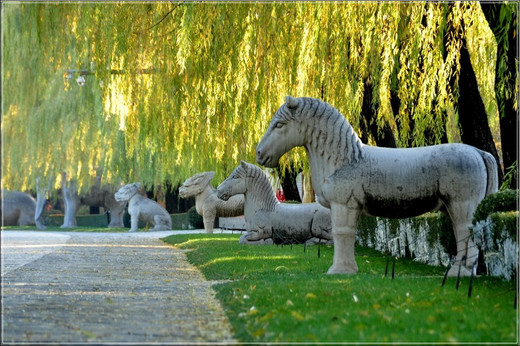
(297, 315)
(259, 333)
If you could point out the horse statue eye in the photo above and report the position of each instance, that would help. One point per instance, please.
(279, 125)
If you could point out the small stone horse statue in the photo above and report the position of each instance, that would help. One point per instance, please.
(207, 204)
(352, 179)
(268, 220)
(140, 207)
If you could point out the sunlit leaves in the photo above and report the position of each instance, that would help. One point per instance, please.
(221, 71)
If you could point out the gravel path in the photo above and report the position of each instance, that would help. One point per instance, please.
(105, 288)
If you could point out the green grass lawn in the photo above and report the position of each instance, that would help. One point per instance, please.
(283, 294)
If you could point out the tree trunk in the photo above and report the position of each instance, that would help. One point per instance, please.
(382, 137)
(174, 203)
(288, 182)
(93, 210)
(507, 106)
(472, 113)
(308, 190)
(509, 120)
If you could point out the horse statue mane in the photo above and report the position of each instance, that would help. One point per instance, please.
(316, 114)
(259, 189)
(125, 193)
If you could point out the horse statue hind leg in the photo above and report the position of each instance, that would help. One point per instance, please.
(461, 214)
(461, 208)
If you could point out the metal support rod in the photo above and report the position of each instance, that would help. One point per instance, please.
(386, 268)
(458, 275)
(473, 270)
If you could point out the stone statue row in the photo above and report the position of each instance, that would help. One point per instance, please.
(349, 178)
(21, 209)
(266, 220)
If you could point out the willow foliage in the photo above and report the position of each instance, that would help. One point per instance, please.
(220, 72)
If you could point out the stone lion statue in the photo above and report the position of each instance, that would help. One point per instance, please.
(207, 204)
(143, 208)
(17, 209)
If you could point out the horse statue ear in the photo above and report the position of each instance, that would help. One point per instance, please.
(203, 179)
(138, 185)
(243, 163)
(291, 102)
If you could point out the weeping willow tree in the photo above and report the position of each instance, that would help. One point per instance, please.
(173, 89)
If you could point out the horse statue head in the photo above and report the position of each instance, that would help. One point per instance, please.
(252, 182)
(125, 193)
(196, 184)
(313, 124)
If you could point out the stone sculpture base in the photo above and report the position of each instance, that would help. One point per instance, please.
(269, 241)
(232, 223)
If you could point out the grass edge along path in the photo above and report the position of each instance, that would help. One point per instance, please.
(283, 294)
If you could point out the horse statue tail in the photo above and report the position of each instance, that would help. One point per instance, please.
(492, 172)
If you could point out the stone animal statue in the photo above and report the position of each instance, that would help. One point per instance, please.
(17, 208)
(207, 204)
(98, 196)
(140, 207)
(352, 178)
(268, 220)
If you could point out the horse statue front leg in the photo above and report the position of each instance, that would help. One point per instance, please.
(344, 225)
(259, 229)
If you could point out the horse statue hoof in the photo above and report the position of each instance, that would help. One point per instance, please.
(454, 271)
(259, 241)
(342, 270)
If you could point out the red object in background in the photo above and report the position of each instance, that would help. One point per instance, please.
(280, 196)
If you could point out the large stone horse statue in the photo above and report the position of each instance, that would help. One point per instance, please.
(268, 220)
(352, 178)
